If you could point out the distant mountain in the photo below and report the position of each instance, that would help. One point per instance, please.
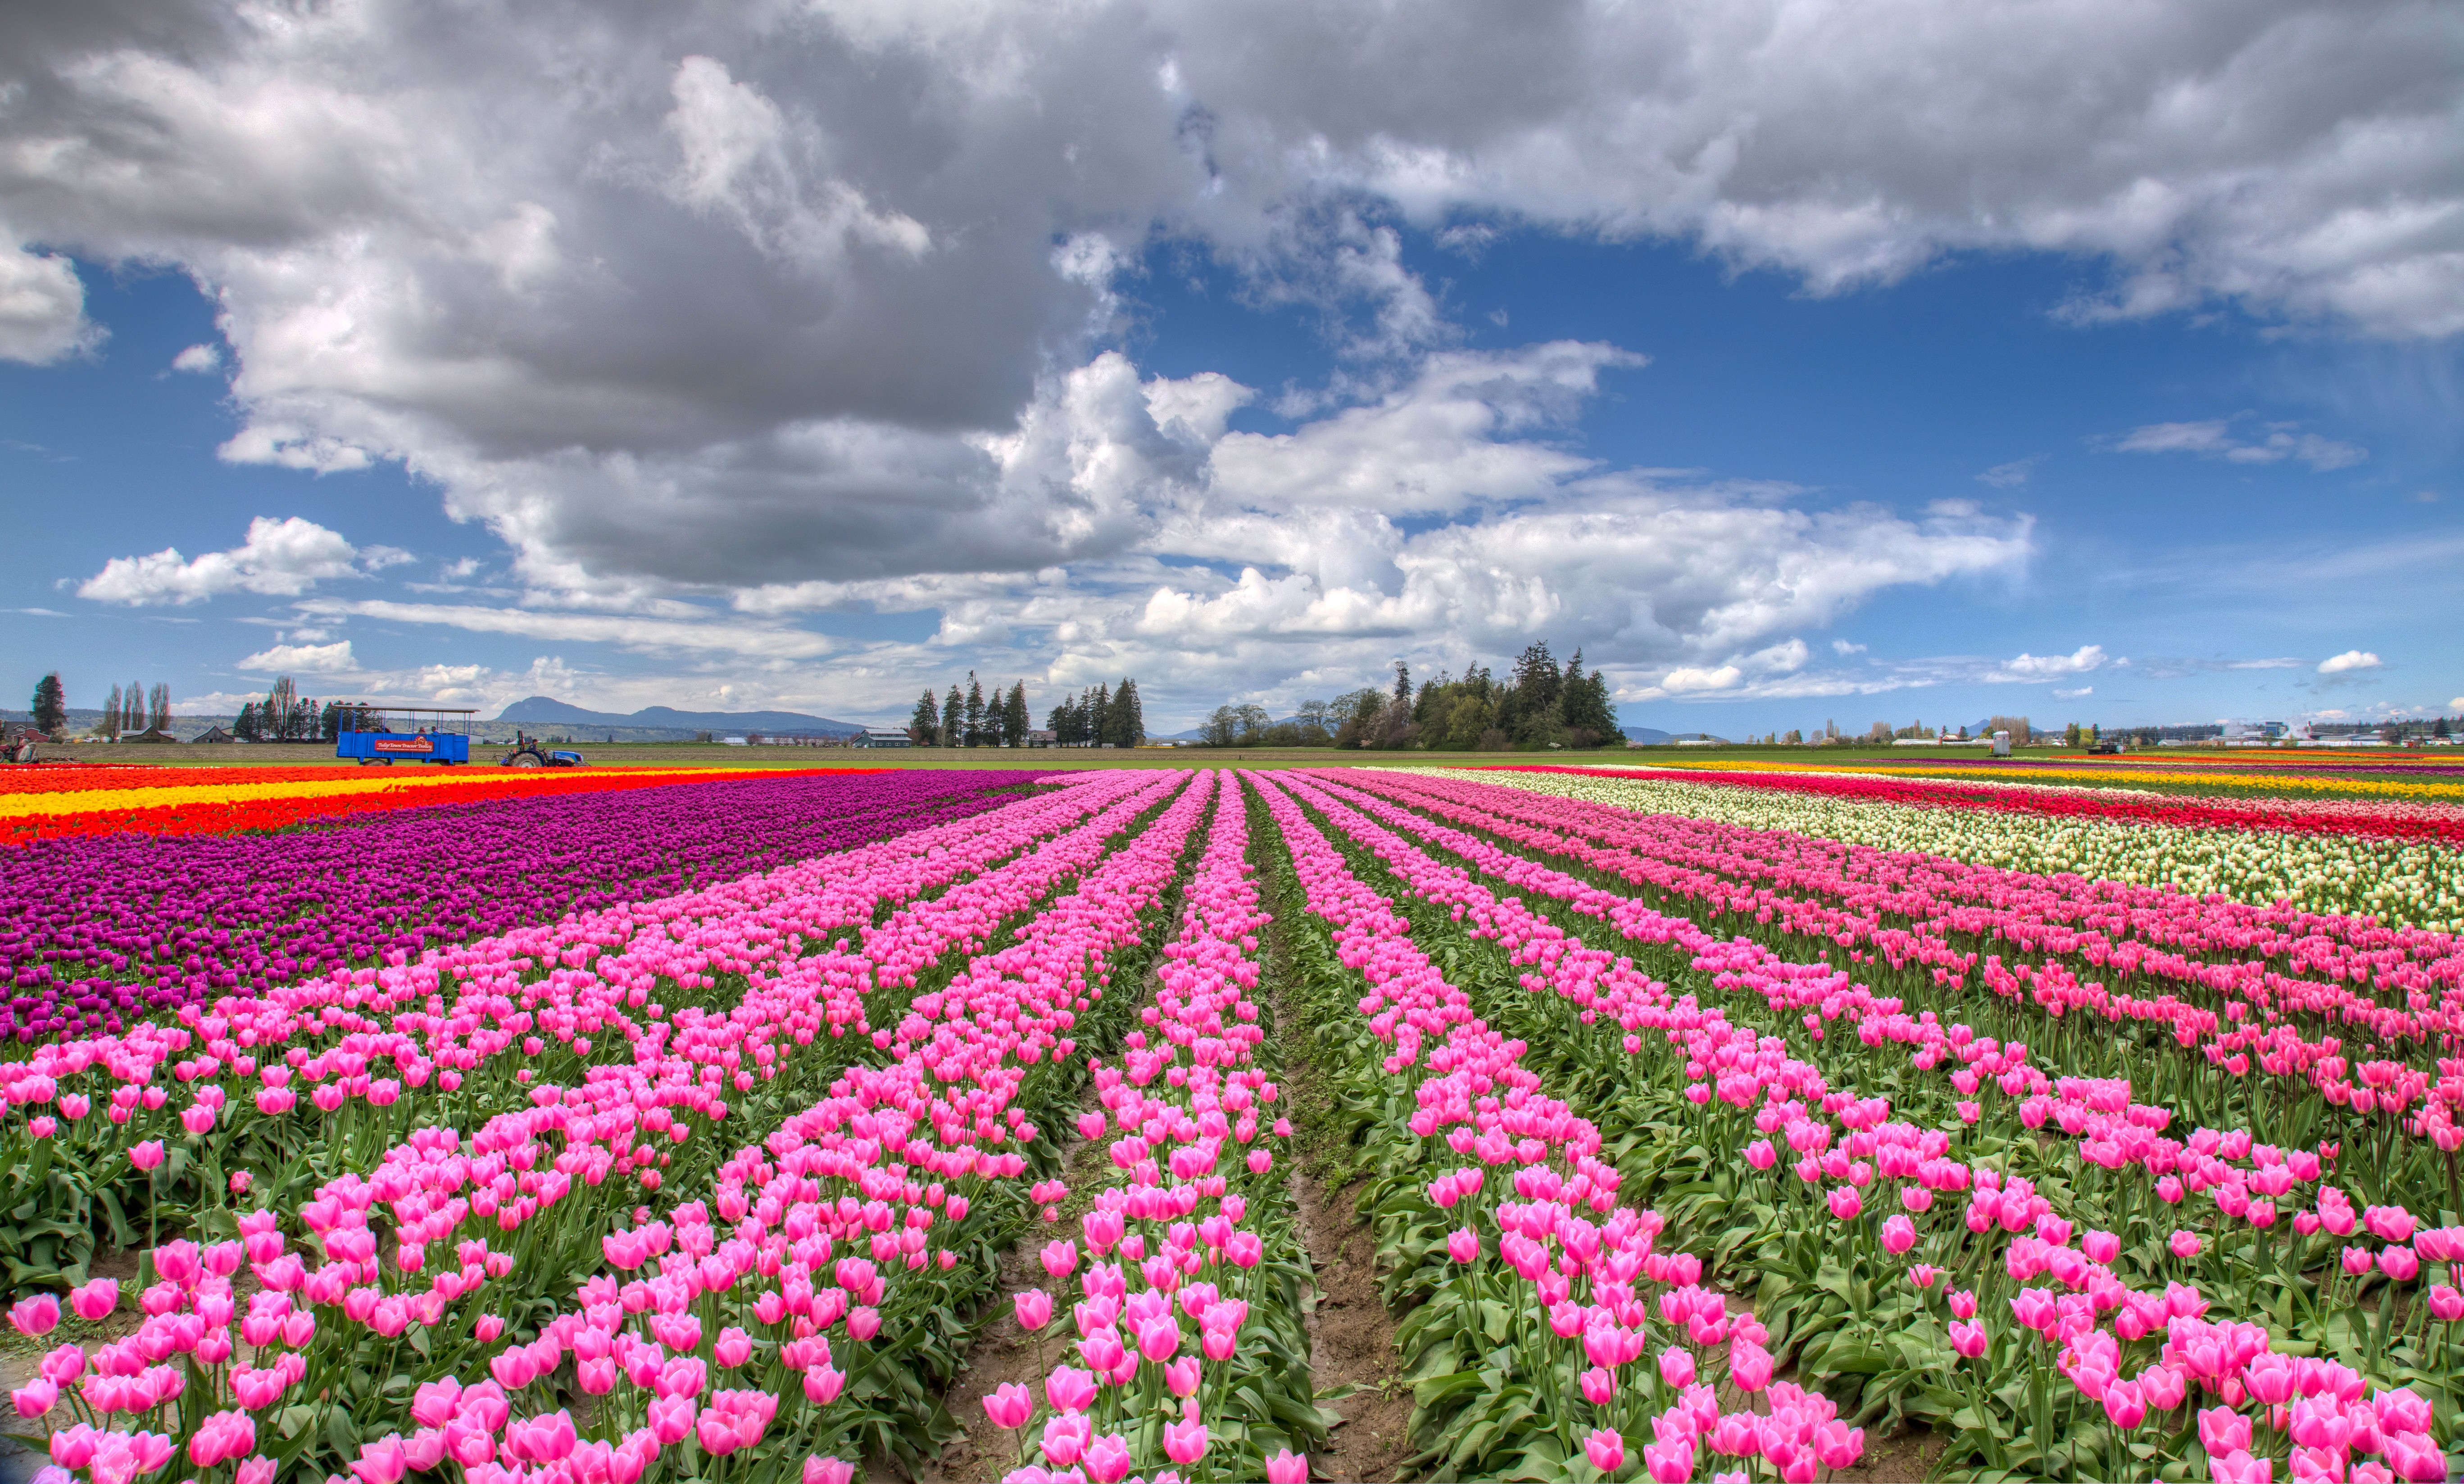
(1648, 735)
(546, 711)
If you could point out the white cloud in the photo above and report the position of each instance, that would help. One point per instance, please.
(624, 630)
(2012, 474)
(42, 306)
(2085, 690)
(2216, 439)
(2045, 666)
(199, 360)
(1844, 648)
(306, 659)
(2348, 661)
(795, 308)
(279, 558)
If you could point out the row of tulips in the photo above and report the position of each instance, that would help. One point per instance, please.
(2388, 778)
(387, 1323)
(99, 934)
(2401, 1155)
(285, 1089)
(1190, 1350)
(2394, 861)
(1547, 1344)
(2196, 972)
(834, 1258)
(1850, 1265)
(66, 804)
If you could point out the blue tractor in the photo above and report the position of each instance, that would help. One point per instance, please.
(530, 752)
(381, 736)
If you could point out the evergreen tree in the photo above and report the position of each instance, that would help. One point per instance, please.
(1403, 682)
(954, 719)
(925, 726)
(1099, 714)
(976, 733)
(51, 707)
(110, 726)
(329, 722)
(1125, 721)
(1590, 714)
(244, 726)
(1014, 718)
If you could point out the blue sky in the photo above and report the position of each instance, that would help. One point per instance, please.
(1241, 379)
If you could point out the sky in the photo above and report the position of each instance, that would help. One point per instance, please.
(1798, 364)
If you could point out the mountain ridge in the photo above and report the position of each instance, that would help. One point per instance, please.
(548, 711)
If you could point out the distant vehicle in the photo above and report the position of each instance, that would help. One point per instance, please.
(530, 752)
(2108, 745)
(379, 736)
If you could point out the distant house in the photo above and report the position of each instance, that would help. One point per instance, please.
(1040, 739)
(211, 734)
(883, 737)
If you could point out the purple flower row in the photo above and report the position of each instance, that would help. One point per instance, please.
(97, 932)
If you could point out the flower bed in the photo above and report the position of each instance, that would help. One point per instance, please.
(98, 933)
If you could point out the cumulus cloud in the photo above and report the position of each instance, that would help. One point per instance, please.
(305, 658)
(42, 306)
(804, 307)
(2276, 443)
(279, 558)
(2048, 667)
(199, 360)
(2074, 694)
(2350, 661)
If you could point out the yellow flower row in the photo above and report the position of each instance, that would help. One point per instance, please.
(2209, 777)
(33, 806)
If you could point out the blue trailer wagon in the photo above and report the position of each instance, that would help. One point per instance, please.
(381, 736)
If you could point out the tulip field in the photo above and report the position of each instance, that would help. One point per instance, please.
(1745, 1126)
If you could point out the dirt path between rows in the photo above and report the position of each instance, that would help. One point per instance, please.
(1352, 1336)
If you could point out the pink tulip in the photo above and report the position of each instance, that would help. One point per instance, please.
(1287, 1468)
(1846, 1203)
(1899, 1234)
(1597, 1385)
(97, 1300)
(1676, 1367)
(2222, 1430)
(1606, 1449)
(1462, 1245)
(35, 1316)
(147, 1156)
(1033, 1307)
(1185, 1441)
(1108, 1458)
(1069, 1391)
(1009, 1407)
(2184, 1245)
(2124, 1406)
(1669, 1463)
(2240, 1468)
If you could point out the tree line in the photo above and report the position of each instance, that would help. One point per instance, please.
(1536, 705)
(287, 716)
(138, 711)
(1104, 716)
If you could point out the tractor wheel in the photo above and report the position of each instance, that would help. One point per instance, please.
(526, 760)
